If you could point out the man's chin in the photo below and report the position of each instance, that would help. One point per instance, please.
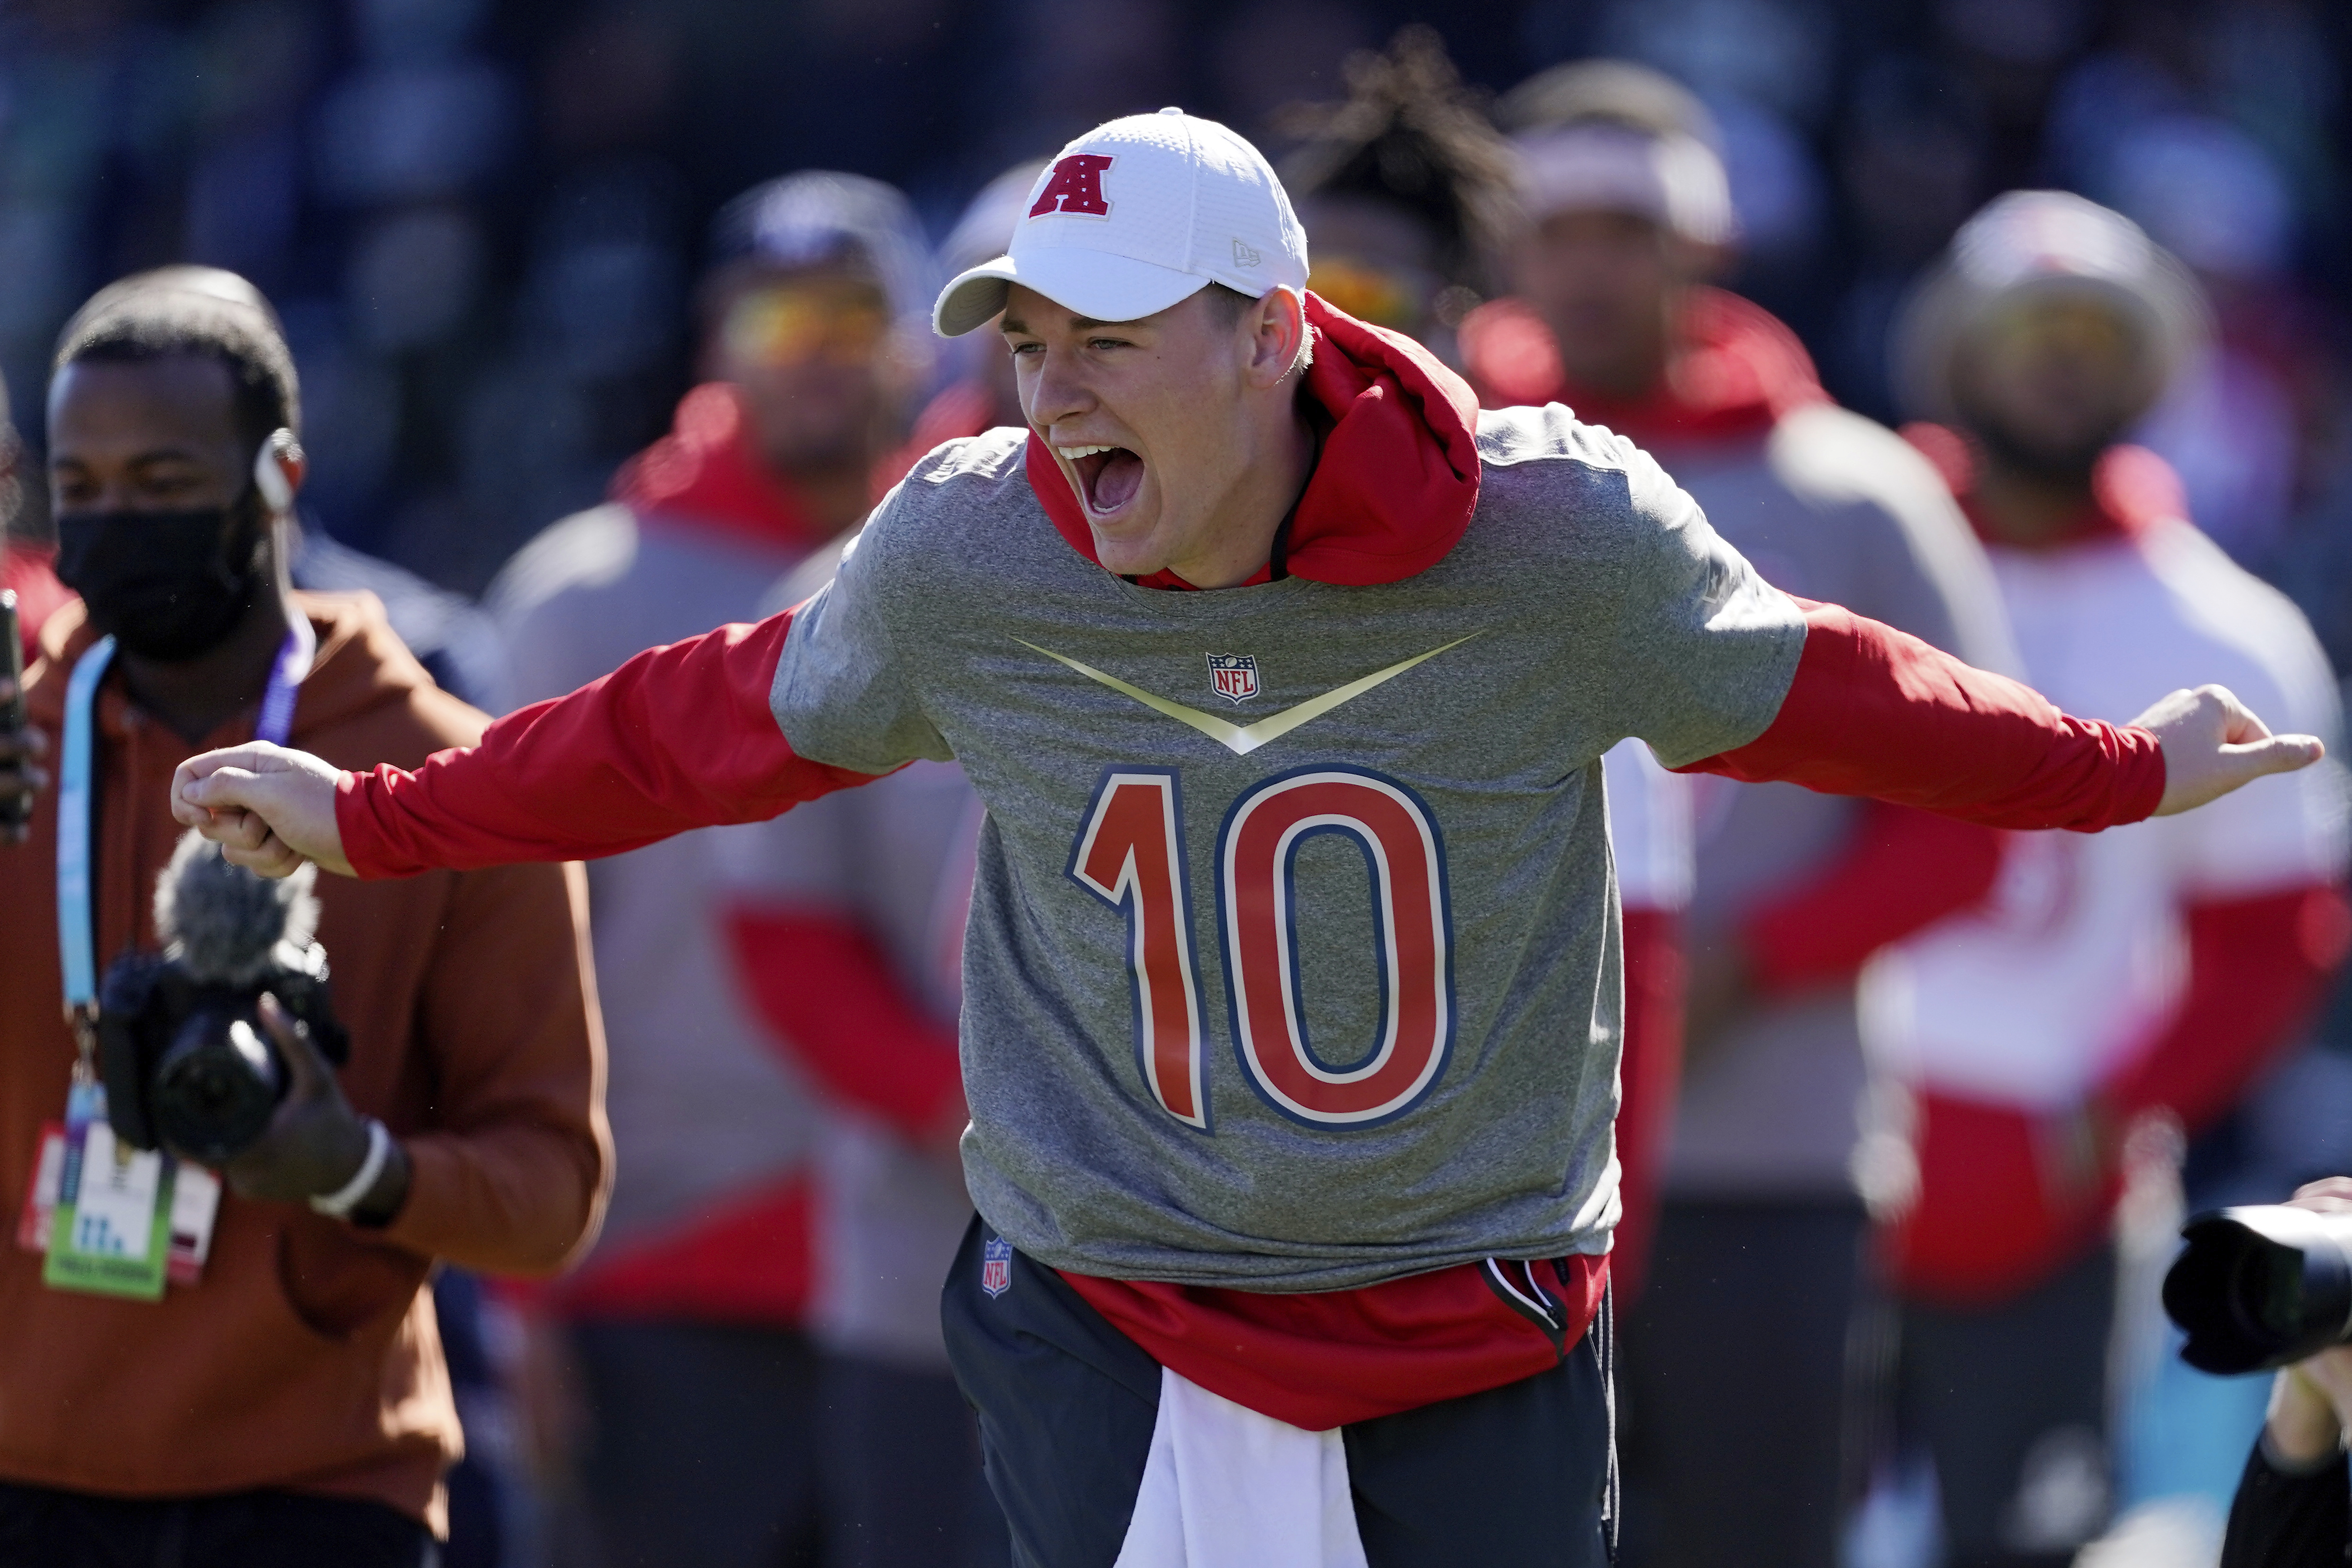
(2049, 455)
(1127, 552)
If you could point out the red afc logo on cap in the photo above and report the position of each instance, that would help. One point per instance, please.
(1075, 187)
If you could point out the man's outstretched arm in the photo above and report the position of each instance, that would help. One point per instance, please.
(678, 737)
(1873, 711)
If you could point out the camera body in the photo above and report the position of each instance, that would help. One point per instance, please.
(185, 1060)
(181, 1047)
(2262, 1287)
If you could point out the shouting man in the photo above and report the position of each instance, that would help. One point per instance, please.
(1291, 1005)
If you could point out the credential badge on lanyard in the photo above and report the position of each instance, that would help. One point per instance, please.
(121, 1221)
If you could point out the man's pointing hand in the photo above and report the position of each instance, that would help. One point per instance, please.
(268, 809)
(2213, 743)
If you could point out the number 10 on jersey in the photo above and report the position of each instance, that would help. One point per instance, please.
(1130, 854)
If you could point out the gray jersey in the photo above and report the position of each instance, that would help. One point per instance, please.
(1292, 959)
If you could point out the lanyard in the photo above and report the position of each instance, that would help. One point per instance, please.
(76, 932)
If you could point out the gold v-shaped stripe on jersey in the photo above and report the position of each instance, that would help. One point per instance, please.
(1239, 738)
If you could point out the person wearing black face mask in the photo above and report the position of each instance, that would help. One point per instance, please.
(173, 585)
(279, 1393)
(165, 530)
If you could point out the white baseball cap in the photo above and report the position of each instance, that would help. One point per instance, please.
(2045, 243)
(1136, 215)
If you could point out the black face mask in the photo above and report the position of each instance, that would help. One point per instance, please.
(170, 586)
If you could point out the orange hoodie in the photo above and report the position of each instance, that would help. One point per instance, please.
(308, 1358)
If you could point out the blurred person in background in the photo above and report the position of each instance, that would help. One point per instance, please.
(287, 1399)
(846, 921)
(1407, 195)
(460, 649)
(1406, 191)
(458, 643)
(686, 1327)
(1734, 1364)
(980, 394)
(26, 570)
(2104, 987)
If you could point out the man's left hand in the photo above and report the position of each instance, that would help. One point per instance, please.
(2213, 743)
(315, 1141)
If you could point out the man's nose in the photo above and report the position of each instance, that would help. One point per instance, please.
(1059, 392)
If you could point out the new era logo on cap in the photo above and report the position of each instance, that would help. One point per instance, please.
(1136, 215)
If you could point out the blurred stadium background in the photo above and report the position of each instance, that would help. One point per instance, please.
(481, 217)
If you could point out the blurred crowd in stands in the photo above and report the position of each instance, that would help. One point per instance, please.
(480, 219)
(510, 248)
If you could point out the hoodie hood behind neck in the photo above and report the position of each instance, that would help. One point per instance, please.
(361, 663)
(704, 472)
(1736, 370)
(1398, 476)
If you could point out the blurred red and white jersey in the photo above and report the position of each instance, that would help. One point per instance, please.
(2078, 959)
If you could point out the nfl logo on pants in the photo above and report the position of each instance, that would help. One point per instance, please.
(996, 1266)
(1233, 676)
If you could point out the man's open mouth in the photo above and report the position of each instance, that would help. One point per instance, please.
(1108, 476)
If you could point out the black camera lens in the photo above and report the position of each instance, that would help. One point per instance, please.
(215, 1085)
(2262, 1287)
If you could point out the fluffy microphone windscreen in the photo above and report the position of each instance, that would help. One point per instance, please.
(222, 922)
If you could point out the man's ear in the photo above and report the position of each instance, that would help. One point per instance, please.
(1277, 325)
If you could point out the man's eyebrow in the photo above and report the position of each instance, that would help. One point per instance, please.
(137, 459)
(166, 454)
(1078, 324)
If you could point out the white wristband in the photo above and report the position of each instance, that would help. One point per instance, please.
(340, 1203)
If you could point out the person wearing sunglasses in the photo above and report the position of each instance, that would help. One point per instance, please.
(685, 1329)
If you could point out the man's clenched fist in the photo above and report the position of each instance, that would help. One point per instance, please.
(267, 808)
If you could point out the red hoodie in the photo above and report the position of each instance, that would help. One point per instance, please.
(682, 736)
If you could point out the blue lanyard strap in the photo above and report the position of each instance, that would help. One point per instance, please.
(76, 945)
(285, 673)
(75, 941)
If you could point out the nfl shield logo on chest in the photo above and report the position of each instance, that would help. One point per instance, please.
(1233, 676)
(996, 1266)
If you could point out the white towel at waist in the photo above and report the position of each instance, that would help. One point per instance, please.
(1226, 1486)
